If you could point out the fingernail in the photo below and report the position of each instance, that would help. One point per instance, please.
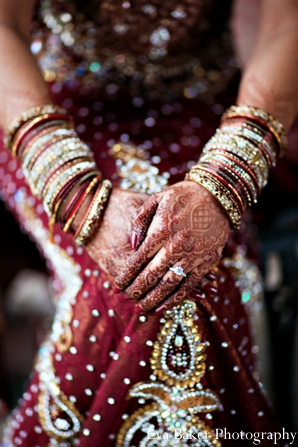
(117, 289)
(134, 239)
(160, 309)
(209, 288)
(211, 276)
(139, 308)
(196, 295)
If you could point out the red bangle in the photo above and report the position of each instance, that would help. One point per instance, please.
(231, 177)
(92, 185)
(243, 166)
(234, 196)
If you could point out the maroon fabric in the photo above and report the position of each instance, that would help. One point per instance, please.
(177, 136)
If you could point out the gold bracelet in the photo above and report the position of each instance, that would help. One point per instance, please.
(38, 145)
(273, 124)
(89, 188)
(219, 158)
(27, 115)
(93, 214)
(59, 179)
(220, 192)
(57, 163)
(252, 135)
(244, 149)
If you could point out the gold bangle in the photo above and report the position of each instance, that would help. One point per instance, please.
(38, 145)
(65, 180)
(252, 135)
(66, 158)
(27, 115)
(59, 179)
(220, 193)
(56, 132)
(219, 158)
(246, 150)
(93, 214)
(89, 188)
(273, 124)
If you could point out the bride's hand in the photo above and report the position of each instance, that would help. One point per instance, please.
(110, 245)
(180, 226)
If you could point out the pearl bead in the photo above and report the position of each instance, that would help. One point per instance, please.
(97, 417)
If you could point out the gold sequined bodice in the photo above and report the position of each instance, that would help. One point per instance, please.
(169, 46)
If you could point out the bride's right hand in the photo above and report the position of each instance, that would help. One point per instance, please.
(110, 245)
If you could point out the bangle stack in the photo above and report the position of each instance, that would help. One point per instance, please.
(235, 163)
(59, 168)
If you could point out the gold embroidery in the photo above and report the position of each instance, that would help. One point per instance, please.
(58, 416)
(178, 362)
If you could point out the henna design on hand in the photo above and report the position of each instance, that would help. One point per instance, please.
(110, 245)
(188, 229)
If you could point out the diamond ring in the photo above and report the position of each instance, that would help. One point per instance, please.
(178, 271)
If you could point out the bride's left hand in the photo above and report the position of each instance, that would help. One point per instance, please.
(181, 226)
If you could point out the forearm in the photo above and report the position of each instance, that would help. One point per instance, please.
(270, 80)
(21, 83)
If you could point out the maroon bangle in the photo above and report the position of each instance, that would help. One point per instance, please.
(266, 135)
(244, 167)
(52, 174)
(24, 143)
(238, 203)
(80, 189)
(42, 121)
(231, 177)
(68, 187)
(262, 123)
(238, 182)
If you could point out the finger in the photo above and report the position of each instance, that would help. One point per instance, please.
(151, 274)
(210, 279)
(141, 220)
(211, 275)
(169, 282)
(138, 260)
(186, 287)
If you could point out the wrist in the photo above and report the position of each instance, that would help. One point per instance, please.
(235, 163)
(282, 107)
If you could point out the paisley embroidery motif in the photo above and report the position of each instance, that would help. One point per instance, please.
(178, 363)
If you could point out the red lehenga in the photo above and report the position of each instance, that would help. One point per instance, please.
(108, 376)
